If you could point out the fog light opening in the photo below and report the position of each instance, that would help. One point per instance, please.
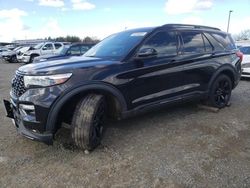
(27, 107)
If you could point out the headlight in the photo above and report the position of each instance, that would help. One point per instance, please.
(45, 81)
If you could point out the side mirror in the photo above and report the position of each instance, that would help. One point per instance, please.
(146, 53)
(44, 48)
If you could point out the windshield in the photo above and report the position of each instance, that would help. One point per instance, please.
(38, 46)
(17, 48)
(117, 46)
(24, 49)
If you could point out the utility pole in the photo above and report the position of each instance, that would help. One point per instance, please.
(228, 23)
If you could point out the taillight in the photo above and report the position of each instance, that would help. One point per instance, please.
(240, 55)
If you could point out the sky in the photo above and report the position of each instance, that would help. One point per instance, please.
(31, 19)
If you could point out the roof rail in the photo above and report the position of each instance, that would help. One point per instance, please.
(189, 26)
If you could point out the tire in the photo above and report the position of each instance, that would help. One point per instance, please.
(13, 59)
(220, 92)
(87, 122)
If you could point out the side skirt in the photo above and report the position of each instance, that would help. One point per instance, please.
(197, 96)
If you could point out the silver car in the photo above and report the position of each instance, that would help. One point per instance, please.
(245, 49)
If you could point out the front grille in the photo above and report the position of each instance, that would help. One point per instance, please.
(245, 73)
(18, 87)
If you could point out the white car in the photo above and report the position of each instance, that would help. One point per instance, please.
(21, 51)
(46, 48)
(245, 49)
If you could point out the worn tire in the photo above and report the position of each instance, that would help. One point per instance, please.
(87, 122)
(220, 92)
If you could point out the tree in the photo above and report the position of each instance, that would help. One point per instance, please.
(60, 39)
(72, 39)
(243, 35)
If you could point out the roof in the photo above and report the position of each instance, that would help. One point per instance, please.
(182, 26)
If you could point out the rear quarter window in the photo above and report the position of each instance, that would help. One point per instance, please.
(225, 40)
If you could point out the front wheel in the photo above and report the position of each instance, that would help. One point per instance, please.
(13, 59)
(220, 92)
(87, 122)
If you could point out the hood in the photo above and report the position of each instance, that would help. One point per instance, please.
(63, 65)
(8, 53)
(48, 57)
(29, 52)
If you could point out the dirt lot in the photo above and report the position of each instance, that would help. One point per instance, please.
(184, 146)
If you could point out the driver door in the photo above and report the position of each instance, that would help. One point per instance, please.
(48, 48)
(157, 78)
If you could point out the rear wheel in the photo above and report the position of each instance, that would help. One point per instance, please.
(87, 122)
(220, 92)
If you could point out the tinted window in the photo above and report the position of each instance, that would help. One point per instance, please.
(84, 49)
(207, 44)
(164, 43)
(245, 50)
(74, 50)
(217, 46)
(225, 40)
(57, 45)
(193, 42)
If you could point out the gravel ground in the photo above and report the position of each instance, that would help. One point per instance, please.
(182, 146)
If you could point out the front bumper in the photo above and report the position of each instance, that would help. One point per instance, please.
(25, 125)
(245, 72)
(25, 59)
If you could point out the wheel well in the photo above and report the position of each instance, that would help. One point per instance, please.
(34, 55)
(229, 74)
(66, 112)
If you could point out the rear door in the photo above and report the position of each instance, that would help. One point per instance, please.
(199, 65)
(57, 47)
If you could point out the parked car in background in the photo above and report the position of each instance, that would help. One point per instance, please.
(46, 48)
(11, 55)
(3, 49)
(245, 49)
(76, 49)
(22, 51)
(123, 75)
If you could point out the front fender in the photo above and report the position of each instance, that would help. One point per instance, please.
(71, 92)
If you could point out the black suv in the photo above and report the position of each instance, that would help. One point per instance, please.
(126, 73)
